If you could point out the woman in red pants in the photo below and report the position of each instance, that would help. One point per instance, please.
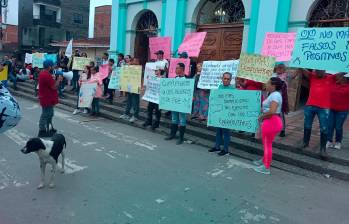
(271, 123)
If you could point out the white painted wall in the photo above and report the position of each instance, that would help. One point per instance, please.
(301, 9)
(10, 14)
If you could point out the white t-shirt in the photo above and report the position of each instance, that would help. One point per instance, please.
(276, 97)
(162, 64)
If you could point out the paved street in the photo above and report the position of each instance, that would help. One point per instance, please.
(120, 174)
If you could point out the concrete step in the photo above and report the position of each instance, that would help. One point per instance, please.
(197, 133)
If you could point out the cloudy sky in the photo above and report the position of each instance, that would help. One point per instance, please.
(95, 3)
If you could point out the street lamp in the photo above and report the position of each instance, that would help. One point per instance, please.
(3, 4)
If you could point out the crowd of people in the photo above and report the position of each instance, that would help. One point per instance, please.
(328, 99)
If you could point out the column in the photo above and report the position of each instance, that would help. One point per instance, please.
(253, 26)
(283, 15)
(114, 29)
(163, 17)
(122, 19)
(181, 12)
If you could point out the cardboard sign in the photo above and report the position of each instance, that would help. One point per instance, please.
(160, 43)
(234, 109)
(256, 67)
(114, 82)
(212, 71)
(38, 60)
(322, 49)
(52, 57)
(192, 43)
(86, 94)
(4, 73)
(28, 58)
(173, 64)
(149, 72)
(152, 91)
(131, 78)
(79, 63)
(176, 94)
(279, 45)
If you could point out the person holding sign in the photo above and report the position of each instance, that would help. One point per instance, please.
(96, 79)
(178, 118)
(271, 123)
(223, 132)
(201, 98)
(161, 62)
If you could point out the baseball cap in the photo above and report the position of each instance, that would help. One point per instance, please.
(159, 52)
(183, 55)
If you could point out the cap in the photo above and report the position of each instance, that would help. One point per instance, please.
(48, 63)
(159, 52)
(183, 55)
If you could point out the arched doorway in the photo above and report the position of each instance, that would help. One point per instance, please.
(330, 13)
(147, 26)
(222, 20)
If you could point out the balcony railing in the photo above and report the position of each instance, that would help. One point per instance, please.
(46, 21)
(49, 2)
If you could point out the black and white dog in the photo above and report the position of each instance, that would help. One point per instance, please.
(48, 152)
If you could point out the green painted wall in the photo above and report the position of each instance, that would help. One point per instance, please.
(252, 33)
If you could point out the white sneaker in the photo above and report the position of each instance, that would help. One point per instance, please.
(76, 111)
(133, 119)
(125, 117)
(338, 145)
(262, 169)
(329, 145)
(85, 111)
(258, 162)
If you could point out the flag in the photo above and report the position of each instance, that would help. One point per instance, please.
(69, 50)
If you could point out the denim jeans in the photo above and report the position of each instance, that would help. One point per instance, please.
(179, 118)
(322, 114)
(132, 102)
(13, 79)
(225, 134)
(46, 118)
(151, 108)
(75, 79)
(335, 122)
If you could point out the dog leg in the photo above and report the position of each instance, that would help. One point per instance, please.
(63, 162)
(53, 172)
(42, 181)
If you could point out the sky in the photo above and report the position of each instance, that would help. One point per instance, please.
(93, 4)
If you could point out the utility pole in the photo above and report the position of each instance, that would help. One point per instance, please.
(3, 4)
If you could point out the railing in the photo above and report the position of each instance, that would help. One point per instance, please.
(50, 2)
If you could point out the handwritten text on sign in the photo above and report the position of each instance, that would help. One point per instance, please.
(79, 63)
(212, 71)
(173, 64)
(131, 78)
(160, 43)
(279, 45)
(114, 82)
(86, 94)
(38, 60)
(152, 91)
(192, 43)
(322, 48)
(149, 72)
(176, 94)
(256, 67)
(234, 109)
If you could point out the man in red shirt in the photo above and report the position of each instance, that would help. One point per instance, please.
(48, 97)
(318, 104)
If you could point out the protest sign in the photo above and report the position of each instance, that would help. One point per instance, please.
(52, 57)
(173, 64)
(212, 71)
(152, 91)
(114, 82)
(86, 94)
(38, 60)
(4, 73)
(234, 109)
(176, 94)
(28, 58)
(79, 63)
(131, 78)
(322, 49)
(149, 72)
(279, 45)
(192, 43)
(160, 43)
(256, 67)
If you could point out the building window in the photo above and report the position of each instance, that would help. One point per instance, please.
(330, 13)
(68, 35)
(77, 18)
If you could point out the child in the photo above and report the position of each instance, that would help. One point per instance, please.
(85, 75)
(96, 79)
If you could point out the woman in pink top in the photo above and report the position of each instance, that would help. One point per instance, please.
(95, 78)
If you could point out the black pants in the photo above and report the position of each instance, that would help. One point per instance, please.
(106, 90)
(151, 108)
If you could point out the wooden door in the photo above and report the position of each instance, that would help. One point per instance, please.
(142, 47)
(223, 42)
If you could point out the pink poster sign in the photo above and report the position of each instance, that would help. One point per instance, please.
(173, 65)
(192, 43)
(279, 45)
(160, 43)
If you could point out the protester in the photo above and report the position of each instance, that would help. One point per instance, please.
(132, 102)
(128, 59)
(105, 58)
(59, 72)
(223, 132)
(10, 69)
(95, 102)
(48, 97)
(318, 104)
(271, 123)
(121, 61)
(24, 74)
(36, 72)
(161, 62)
(153, 107)
(109, 92)
(339, 97)
(75, 79)
(86, 75)
(178, 118)
(201, 98)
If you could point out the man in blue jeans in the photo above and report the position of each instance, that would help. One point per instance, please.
(223, 132)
